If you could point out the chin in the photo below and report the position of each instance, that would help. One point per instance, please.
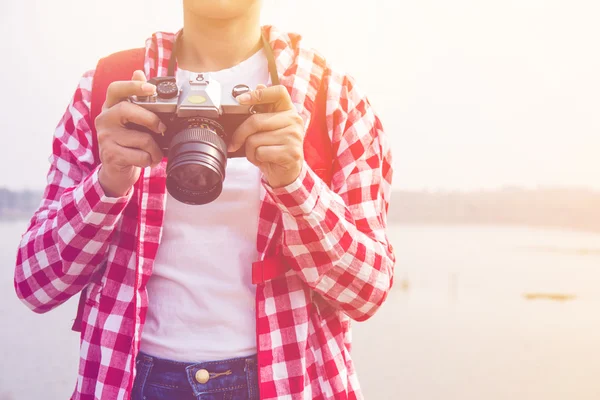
(219, 9)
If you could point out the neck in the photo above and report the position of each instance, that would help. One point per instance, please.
(213, 45)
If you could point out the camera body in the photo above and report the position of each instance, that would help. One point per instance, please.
(200, 117)
(199, 102)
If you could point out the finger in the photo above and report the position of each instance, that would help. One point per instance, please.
(275, 95)
(121, 90)
(125, 157)
(262, 123)
(140, 140)
(125, 113)
(262, 108)
(273, 138)
(280, 155)
(139, 75)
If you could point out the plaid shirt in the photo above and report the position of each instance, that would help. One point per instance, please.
(341, 263)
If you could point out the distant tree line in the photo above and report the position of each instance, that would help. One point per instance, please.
(18, 204)
(577, 209)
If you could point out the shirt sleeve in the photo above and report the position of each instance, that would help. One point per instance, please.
(68, 235)
(335, 237)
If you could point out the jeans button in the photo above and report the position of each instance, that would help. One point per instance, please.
(202, 376)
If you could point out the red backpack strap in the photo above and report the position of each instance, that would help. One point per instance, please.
(318, 154)
(318, 151)
(116, 67)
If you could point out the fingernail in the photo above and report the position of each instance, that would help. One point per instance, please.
(162, 127)
(148, 88)
(242, 98)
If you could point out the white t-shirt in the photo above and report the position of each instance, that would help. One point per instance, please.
(201, 297)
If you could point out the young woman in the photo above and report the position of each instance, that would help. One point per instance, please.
(171, 308)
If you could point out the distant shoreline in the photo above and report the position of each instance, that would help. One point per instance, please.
(570, 209)
(394, 223)
(558, 208)
(507, 225)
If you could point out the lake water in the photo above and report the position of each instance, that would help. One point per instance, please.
(457, 324)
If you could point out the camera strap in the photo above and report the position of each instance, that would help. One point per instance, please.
(266, 47)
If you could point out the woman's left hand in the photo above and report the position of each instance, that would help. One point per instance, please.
(273, 139)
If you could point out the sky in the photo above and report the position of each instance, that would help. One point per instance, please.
(472, 93)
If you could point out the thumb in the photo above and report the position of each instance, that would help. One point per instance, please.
(139, 75)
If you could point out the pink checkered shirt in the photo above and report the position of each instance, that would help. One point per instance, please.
(341, 262)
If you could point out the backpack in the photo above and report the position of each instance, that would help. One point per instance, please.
(318, 152)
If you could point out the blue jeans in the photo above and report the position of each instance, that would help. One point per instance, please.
(159, 379)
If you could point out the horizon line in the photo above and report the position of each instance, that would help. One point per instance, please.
(395, 189)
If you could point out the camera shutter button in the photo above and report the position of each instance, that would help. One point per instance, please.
(167, 90)
(239, 89)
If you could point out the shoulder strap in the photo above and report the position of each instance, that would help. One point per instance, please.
(318, 151)
(116, 67)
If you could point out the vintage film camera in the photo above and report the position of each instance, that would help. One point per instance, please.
(200, 117)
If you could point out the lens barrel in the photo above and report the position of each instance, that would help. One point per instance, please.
(196, 166)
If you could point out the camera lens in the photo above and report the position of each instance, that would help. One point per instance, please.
(196, 166)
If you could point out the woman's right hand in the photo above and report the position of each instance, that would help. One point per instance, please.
(124, 152)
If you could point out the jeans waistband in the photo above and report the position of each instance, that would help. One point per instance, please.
(203, 377)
